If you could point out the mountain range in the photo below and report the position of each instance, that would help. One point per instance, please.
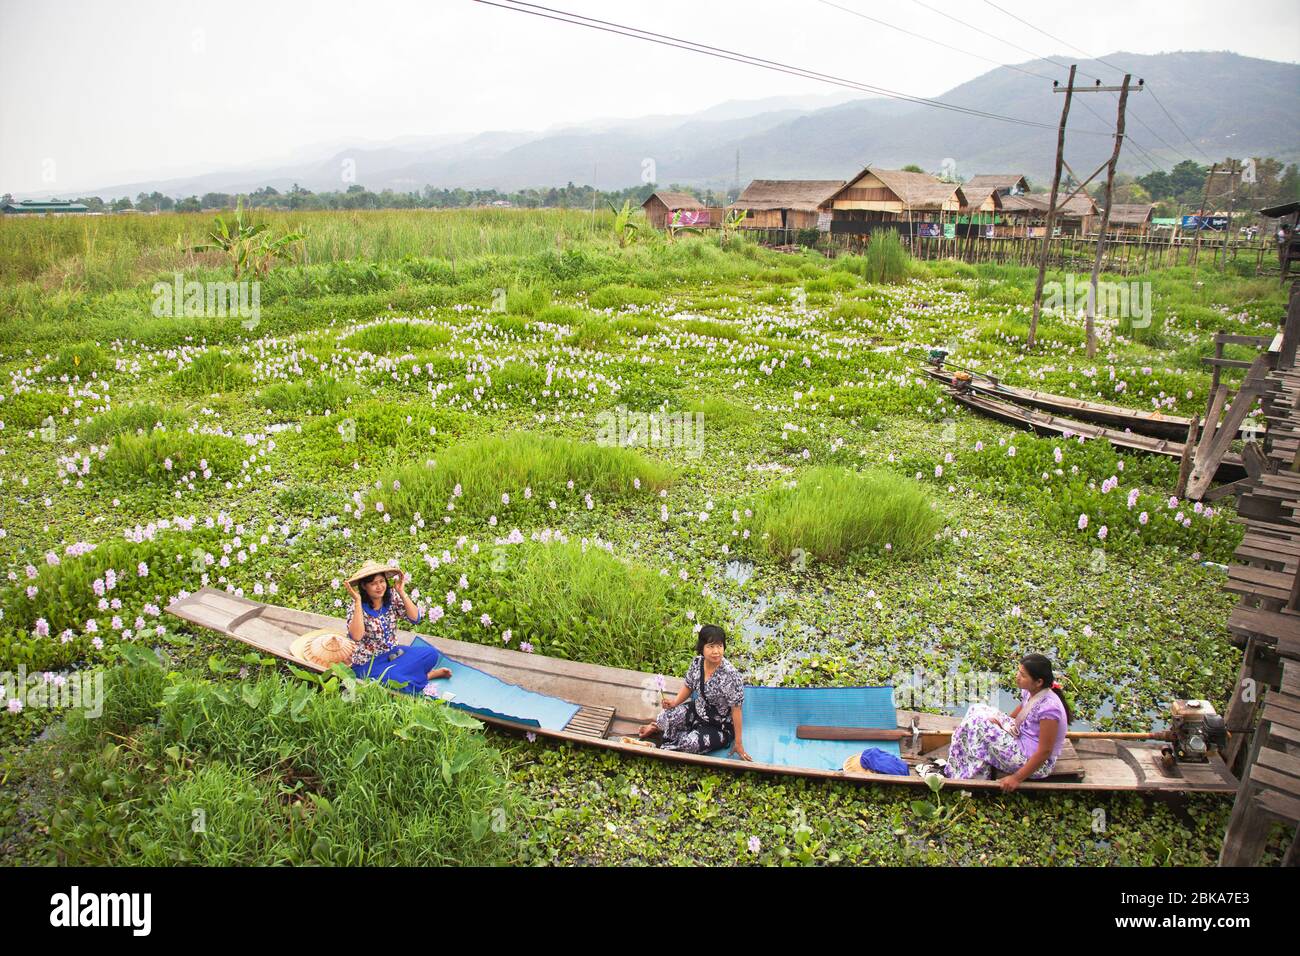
(1199, 105)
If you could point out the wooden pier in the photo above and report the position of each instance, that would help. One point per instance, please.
(1264, 715)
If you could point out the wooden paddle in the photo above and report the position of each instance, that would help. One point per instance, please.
(815, 732)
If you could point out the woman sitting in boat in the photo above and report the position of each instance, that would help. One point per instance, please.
(705, 714)
(1023, 745)
(372, 625)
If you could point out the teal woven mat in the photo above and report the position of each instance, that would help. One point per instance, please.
(488, 696)
(772, 714)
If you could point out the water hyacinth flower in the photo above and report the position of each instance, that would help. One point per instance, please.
(1143, 518)
(1011, 452)
(506, 635)
(1132, 498)
(526, 647)
(1083, 521)
(435, 613)
(42, 628)
(1101, 532)
(754, 844)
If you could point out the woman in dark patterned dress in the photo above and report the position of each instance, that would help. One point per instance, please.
(706, 713)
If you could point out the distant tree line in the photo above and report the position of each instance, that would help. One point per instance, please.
(356, 196)
(1182, 186)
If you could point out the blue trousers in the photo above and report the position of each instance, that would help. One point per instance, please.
(406, 665)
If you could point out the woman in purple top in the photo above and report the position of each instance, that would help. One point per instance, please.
(1023, 745)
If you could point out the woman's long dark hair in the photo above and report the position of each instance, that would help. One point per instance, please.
(1040, 668)
(710, 634)
(388, 591)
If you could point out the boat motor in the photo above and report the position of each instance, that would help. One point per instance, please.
(1196, 731)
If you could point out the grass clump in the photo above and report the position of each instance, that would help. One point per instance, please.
(576, 602)
(367, 777)
(374, 432)
(212, 372)
(137, 419)
(83, 359)
(315, 396)
(167, 456)
(402, 336)
(487, 468)
(832, 513)
(621, 296)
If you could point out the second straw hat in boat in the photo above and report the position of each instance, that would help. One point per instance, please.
(323, 648)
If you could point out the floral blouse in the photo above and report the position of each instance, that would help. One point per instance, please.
(381, 630)
(723, 691)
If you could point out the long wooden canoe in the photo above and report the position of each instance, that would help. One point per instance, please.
(1143, 422)
(1230, 468)
(610, 703)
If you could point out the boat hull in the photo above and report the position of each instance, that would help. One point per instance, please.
(1107, 765)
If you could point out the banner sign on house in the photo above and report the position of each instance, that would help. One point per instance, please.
(690, 217)
(950, 230)
(928, 230)
(824, 221)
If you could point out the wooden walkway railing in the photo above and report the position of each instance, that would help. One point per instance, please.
(1264, 716)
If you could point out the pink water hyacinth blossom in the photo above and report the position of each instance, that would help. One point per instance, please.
(526, 647)
(466, 606)
(1143, 518)
(1102, 532)
(485, 620)
(979, 446)
(1011, 452)
(755, 844)
(1173, 503)
(1132, 498)
(31, 592)
(98, 587)
(506, 635)
(42, 628)
(435, 613)
(1083, 521)
(142, 570)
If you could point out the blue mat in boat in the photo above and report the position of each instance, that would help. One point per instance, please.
(772, 715)
(488, 696)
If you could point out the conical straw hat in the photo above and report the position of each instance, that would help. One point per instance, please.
(373, 567)
(323, 648)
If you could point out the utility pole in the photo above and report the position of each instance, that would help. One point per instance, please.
(1233, 172)
(1090, 322)
(1069, 90)
(1051, 209)
(1200, 219)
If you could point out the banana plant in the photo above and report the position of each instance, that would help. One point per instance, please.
(248, 245)
(624, 227)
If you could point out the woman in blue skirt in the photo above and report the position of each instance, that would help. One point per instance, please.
(372, 624)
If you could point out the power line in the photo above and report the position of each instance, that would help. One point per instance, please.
(1055, 39)
(1144, 155)
(921, 36)
(971, 26)
(723, 53)
(1147, 86)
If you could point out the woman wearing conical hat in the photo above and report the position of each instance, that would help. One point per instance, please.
(377, 607)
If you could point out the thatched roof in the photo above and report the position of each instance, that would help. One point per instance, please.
(675, 200)
(914, 190)
(977, 196)
(1080, 205)
(802, 194)
(996, 181)
(1131, 214)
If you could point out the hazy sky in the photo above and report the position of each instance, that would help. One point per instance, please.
(96, 93)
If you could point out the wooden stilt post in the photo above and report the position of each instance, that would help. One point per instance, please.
(1051, 210)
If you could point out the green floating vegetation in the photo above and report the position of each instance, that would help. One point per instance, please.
(831, 514)
(486, 469)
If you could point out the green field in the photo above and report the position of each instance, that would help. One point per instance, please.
(838, 515)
